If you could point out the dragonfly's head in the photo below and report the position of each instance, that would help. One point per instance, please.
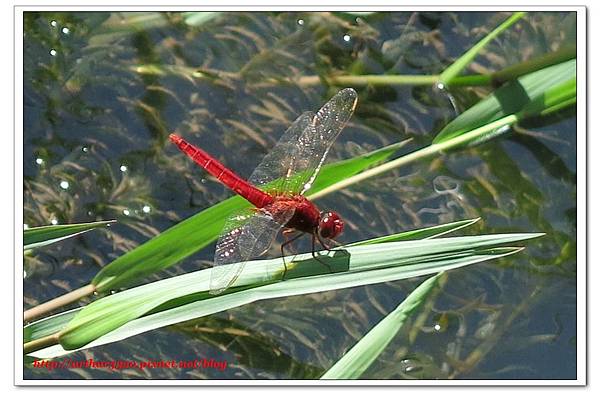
(330, 225)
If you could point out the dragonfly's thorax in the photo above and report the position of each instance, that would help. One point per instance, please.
(306, 215)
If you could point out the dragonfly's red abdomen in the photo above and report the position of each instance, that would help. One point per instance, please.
(227, 177)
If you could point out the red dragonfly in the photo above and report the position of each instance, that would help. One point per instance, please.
(276, 190)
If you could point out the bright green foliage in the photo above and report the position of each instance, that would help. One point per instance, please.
(352, 266)
(40, 236)
(356, 361)
(532, 94)
(462, 62)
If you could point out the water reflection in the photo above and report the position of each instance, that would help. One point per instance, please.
(443, 184)
(235, 84)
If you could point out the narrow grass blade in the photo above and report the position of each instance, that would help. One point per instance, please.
(419, 234)
(41, 330)
(358, 359)
(555, 98)
(40, 236)
(517, 70)
(48, 326)
(462, 62)
(352, 266)
(203, 307)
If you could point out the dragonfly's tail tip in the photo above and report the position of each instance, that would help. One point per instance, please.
(175, 138)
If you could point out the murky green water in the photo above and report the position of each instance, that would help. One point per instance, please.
(102, 92)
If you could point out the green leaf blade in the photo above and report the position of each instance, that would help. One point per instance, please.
(461, 63)
(418, 234)
(510, 99)
(36, 237)
(360, 357)
(359, 265)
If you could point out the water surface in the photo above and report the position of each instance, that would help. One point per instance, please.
(104, 90)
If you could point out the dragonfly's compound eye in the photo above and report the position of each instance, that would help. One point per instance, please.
(330, 225)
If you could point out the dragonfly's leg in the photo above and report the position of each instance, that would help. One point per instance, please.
(326, 244)
(287, 242)
(335, 244)
(314, 254)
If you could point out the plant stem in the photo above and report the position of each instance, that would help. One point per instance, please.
(55, 303)
(419, 154)
(461, 63)
(41, 343)
(362, 80)
(496, 78)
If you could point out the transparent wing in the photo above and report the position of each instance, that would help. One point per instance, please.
(329, 122)
(277, 163)
(246, 235)
(294, 163)
(299, 154)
